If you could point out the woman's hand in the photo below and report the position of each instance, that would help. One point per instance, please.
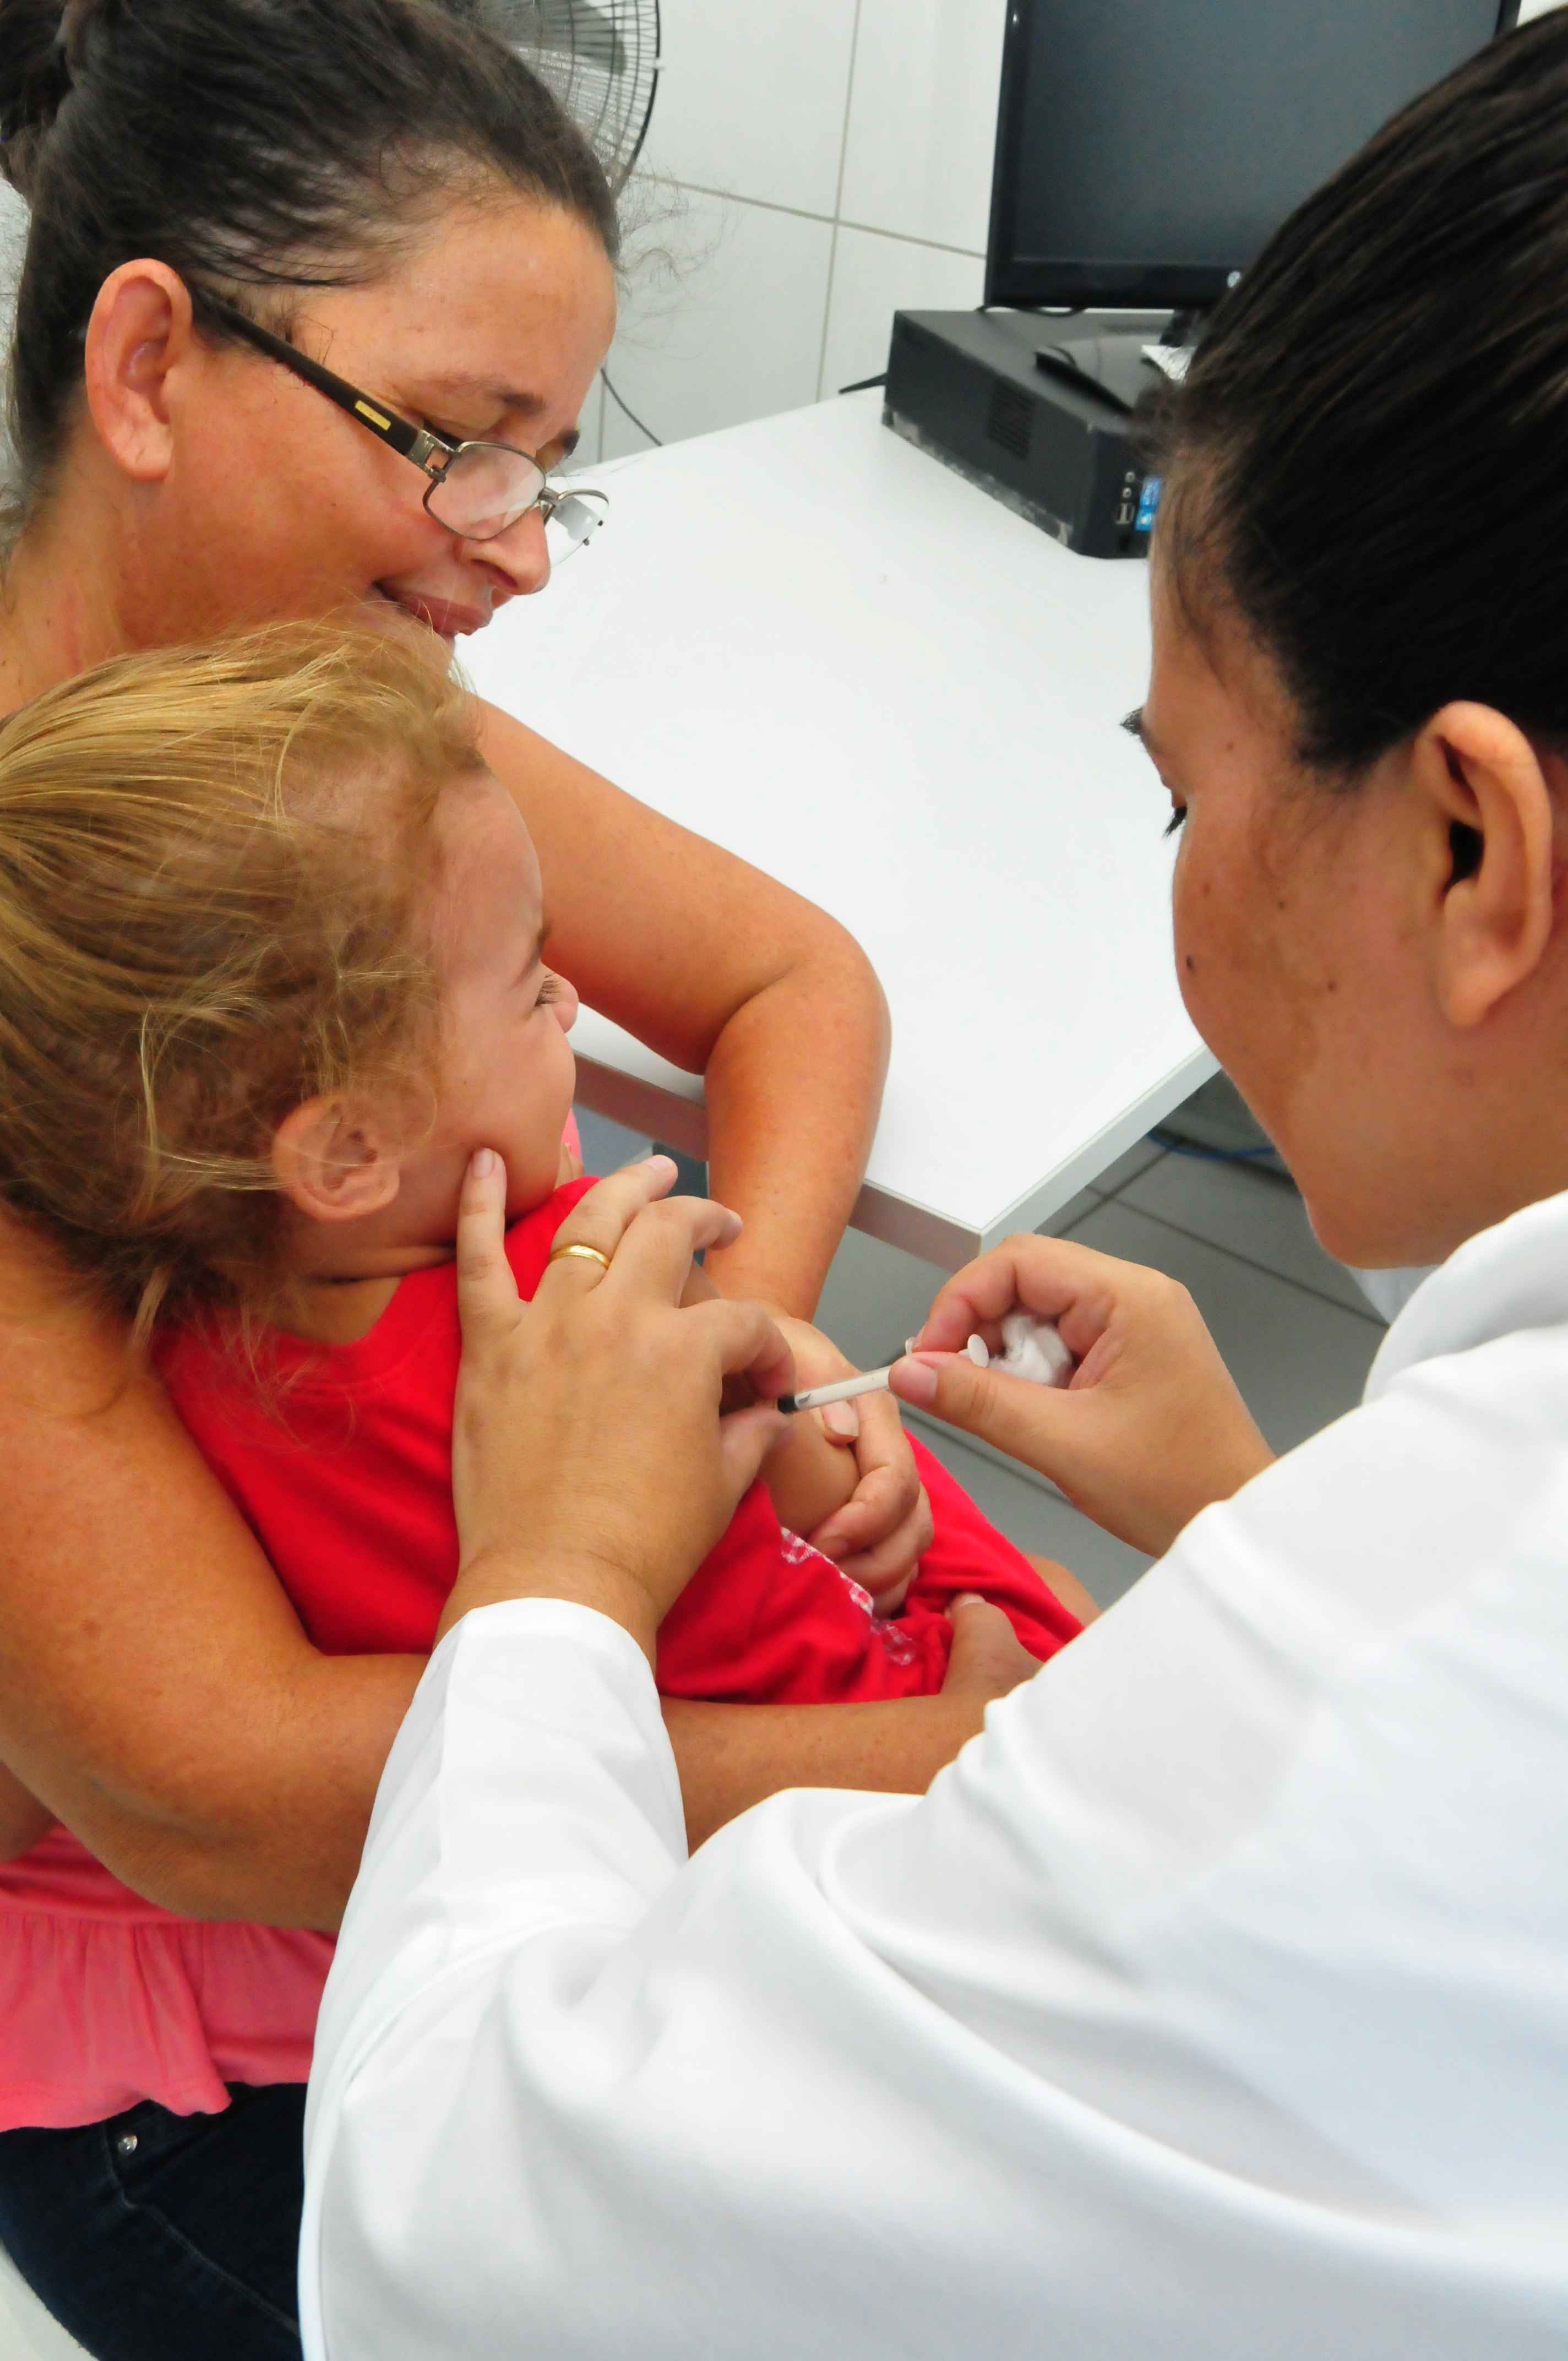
(589, 1458)
(1151, 1428)
(877, 1536)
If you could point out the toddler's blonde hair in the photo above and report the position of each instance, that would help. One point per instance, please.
(213, 863)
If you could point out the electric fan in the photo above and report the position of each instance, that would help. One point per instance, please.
(601, 59)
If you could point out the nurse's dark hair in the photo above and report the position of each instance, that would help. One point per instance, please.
(257, 146)
(1366, 464)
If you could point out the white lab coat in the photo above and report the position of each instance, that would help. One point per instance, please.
(1212, 2007)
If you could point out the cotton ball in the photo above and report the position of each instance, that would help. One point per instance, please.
(1031, 1348)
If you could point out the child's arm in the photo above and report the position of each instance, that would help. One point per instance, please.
(809, 1475)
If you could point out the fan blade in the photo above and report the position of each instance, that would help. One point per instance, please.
(566, 28)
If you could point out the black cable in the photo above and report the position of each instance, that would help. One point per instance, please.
(1175, 1146)
(615, 397)
(864, 384)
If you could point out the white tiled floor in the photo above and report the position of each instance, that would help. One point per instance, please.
(26, 2331)
(1294, 1328)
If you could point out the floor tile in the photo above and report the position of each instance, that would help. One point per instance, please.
(607, 1145)
(1248, 1213)
(1137, 1158)
(1219, 1120)
(1067, 1216)
(1299, 1360)
(875, 1296)
(27, 2332)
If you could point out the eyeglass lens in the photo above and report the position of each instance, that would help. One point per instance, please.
(487, 488)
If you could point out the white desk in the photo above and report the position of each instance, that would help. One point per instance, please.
(818, 647)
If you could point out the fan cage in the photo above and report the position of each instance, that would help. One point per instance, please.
(600, 58)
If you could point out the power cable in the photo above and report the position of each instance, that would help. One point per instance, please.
(631, 413)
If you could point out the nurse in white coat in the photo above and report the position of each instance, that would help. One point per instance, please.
(1213, 2007)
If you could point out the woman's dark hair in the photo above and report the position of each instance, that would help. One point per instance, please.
(249, 143)
(1368, 463)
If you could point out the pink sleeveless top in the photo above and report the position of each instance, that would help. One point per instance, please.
(179, 2005)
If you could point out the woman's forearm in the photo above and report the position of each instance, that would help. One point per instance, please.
(729, 974)
(732, 1756)
(291, 1860)
(794, 1087)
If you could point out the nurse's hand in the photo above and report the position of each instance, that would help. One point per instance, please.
(590, 1460)
(1151, 1428)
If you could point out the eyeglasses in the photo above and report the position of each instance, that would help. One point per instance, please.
(476, 489)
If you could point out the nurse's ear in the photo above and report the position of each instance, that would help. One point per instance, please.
(336, 1160)
(139, 332)
(1483, 806)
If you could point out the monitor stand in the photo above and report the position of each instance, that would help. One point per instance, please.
(1116, 360)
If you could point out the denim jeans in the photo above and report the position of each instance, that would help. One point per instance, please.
(160, 2237)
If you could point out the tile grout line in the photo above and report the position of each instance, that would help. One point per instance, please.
(830, 221)
(1247, 1262)
(838, 201)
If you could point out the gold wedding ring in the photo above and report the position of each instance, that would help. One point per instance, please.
(586, 1253)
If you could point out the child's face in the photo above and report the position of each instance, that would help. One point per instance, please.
(507, 1070)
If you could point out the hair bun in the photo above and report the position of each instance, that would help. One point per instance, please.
(43, 48)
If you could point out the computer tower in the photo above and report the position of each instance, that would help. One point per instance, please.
(1049, 441)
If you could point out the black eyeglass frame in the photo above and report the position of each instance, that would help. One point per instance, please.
(420, 443)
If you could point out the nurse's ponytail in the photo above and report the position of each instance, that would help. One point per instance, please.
(1368, 463)
(251, 145)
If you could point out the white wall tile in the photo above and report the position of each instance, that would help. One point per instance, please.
(874, 277)
(13, 237)
(721, 321)
(751, 98)
(923, 119)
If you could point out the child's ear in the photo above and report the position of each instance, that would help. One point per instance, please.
(336, 1161)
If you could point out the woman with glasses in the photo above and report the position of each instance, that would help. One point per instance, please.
(314, 295)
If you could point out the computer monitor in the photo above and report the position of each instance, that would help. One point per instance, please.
(1146, 149)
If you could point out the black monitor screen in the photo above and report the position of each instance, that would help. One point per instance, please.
(1147, 148)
